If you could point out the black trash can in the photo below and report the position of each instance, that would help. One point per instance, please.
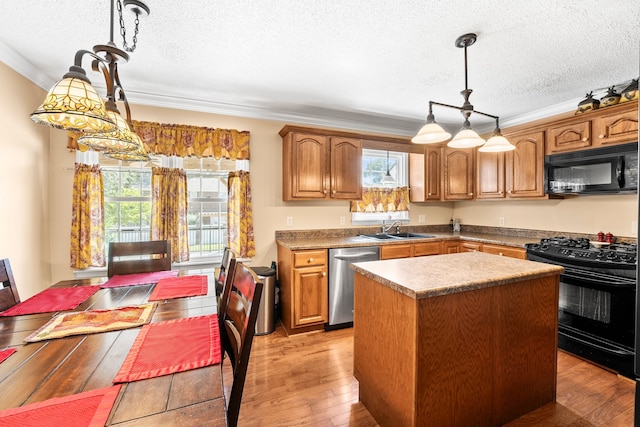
(265, 323)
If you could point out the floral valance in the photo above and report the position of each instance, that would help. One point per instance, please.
(186, 140)
(382, 199)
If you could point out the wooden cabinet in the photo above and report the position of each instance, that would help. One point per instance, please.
(617, 124)
(427, 248)
(458, 173)
(470, 246)
(396, 251)
(524, 166)
(450, 247)
(319, 166)
(507, 251)
(425, 171)
(490, 180)
(304, 289)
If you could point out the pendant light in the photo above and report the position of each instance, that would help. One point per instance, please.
(432, 133)
(387, 179)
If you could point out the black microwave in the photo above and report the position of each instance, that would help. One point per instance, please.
(612, 169)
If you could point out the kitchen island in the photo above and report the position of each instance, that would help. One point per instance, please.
(455, 340)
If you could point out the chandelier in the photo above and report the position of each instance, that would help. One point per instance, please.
(432, 132)
(73, 104)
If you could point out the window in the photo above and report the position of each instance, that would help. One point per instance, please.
(127, 191)
(374, 168)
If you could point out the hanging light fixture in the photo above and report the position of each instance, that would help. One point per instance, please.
(432, 133)
(387, 179)
(73, 104)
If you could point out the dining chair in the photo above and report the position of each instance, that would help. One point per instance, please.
(138, 257)
(241, 301)
(227, 256)
(9, 292)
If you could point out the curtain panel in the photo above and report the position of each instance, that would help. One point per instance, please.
(239, 215)
(169, 210)
(382, 199)
(185, 140)
(87, 217)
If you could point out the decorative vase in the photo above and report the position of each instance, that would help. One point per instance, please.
(611, 98)
(588, 104)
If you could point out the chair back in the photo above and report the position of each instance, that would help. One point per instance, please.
(227, 257)
(8, 290)
(241, 304)
(138, 257)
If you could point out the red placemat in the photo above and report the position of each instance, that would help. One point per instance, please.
(177, 287)
(88, 409)
(52, 299)
(171, 346)
(138, 278)
(4, 354)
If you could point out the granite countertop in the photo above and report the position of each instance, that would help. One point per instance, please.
(425, 277)
(324, 242)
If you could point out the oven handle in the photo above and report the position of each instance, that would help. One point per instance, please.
(611, 281)
(599, 347)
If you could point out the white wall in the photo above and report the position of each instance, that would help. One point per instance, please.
(24, 190)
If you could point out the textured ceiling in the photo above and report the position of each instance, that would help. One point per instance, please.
(363, 65)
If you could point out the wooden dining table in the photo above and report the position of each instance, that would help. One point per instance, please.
(74, 364)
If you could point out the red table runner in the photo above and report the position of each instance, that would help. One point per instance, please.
(4, 354)
(138, 278)
(52, 299)
(177, 287)
(88, 409)
(171, 346)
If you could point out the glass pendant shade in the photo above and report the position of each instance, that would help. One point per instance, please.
(466, 138)
(73, 104)
(496, 144)
(120, 140)
(139, 154)
(431, 133)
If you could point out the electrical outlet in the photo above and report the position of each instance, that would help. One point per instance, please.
(501, 221)
(289, 221)
(342, 220)
(421, 219)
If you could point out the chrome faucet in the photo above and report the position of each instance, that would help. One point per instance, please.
(396, 223)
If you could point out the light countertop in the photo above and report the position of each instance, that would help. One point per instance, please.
(425, 277)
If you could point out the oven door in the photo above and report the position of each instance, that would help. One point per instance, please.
(596, 318)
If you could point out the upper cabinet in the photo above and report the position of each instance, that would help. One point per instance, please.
(425, 171)
(458, 173)
(524, 166)
(617, 124)
(317, 166)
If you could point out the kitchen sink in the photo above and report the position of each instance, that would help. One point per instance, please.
(385, 236)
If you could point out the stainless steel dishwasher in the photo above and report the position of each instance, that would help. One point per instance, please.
(341, 282)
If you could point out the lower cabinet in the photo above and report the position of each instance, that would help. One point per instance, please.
(470, 246)
(304, 289)
(504, 251)
(450, 247)
(410, 250)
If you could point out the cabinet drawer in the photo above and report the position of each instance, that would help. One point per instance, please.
(427, 248)
(309, 258)
(470, 247)
(504, 251)
(395, 251)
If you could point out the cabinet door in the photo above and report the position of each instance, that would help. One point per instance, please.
(525, 165)
(346, 168)
(450, 247)
(396, 251)
(426, 248)
(569, 137)
(311, 296)
(618, 126)
(308, 173)
(458, 173)
(425, 175)
(490, 176)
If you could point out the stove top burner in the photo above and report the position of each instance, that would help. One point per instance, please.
(580, 251)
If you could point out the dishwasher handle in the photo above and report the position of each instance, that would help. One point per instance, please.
(355, 257)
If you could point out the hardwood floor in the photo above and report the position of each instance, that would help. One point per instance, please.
(308, 380)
